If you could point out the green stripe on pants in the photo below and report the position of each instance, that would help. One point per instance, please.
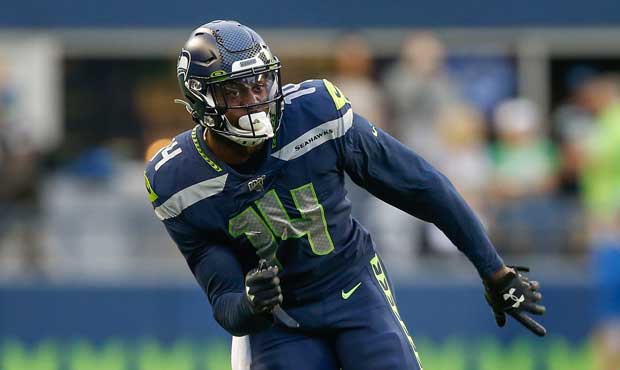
(379, 273)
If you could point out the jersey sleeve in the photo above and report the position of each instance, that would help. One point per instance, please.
(394, 173)
(211, 260)
(220, 276)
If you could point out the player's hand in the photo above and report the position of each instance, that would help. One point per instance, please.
(262, 289)
(516, 295)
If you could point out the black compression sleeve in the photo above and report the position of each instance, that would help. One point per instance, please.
(233, 312)
(220, 276)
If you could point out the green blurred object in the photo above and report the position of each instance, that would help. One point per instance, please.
(517, 356)
(601, 174)
(456, 353)
(152, 356)
(563, 356)
(111, 357)
(452, 355)
(44, 356)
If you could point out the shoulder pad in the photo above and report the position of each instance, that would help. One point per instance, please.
(315, 100)
(172, 169)
(315, 112)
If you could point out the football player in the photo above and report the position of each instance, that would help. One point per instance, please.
(254, 198)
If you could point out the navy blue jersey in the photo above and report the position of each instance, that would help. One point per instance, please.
(291, 205)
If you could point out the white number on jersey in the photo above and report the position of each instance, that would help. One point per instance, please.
(167, 153)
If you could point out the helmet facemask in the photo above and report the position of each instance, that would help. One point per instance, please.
(253, 97)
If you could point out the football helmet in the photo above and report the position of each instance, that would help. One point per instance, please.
(225, 66)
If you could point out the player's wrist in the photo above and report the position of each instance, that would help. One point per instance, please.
(247, 308)
(500, 275)
(254, 320)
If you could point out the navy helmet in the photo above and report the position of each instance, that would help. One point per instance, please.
(220, 65)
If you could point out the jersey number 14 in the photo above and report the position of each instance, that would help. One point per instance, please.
(275, 222)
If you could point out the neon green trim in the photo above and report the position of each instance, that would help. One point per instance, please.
(276, 222)
(152, 195)
(318, 251)
(236, 232)
(299, 226)
(201, 152)
(237, 226)
(379, 273)
(339, 99)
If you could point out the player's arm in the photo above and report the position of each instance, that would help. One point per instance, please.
(397, 175)
(241, 303)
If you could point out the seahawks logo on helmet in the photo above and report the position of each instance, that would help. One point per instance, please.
(183, 63)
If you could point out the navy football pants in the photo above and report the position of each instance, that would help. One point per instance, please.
(362, 332)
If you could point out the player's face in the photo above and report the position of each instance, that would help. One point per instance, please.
(245, 96)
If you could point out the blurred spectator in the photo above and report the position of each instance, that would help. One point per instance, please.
(353, 67)
(524, 177)
(353, 75)
(463, 158)
(418, 89)
(19, 188)
(601, 176)
(601, 192)
(574, 121)
(524, 158)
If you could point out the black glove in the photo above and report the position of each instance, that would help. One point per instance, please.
(515, 295)
(262, 289)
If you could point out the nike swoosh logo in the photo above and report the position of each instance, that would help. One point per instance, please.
(346, 295)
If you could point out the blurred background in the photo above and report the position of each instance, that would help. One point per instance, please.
(517, 103)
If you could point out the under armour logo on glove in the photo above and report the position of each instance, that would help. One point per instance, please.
(510, 295)
(514, 294)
